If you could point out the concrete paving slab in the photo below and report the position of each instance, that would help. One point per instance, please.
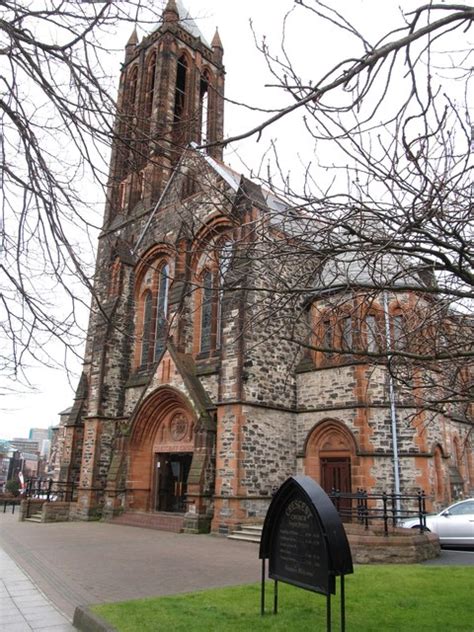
(79, 563)
(44, 620)
(23, 608)
(15, 627)
(58, 628)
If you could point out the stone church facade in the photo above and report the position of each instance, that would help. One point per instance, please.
(190, 403)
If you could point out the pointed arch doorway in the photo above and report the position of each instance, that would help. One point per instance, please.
(161, 453)
(330, 454)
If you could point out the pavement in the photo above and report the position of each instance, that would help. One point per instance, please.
(47, 570)
(84, 563)
(23, 607)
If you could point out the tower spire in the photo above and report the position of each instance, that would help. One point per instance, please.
(131, 45)
(217, 48)
(171, 13)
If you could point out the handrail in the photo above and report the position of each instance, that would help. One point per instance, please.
(388, 508)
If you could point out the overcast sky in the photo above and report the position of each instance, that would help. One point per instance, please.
(312, 47)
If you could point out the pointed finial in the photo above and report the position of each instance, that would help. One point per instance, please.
(171, 13)
(217, 48)
(216, 40)
(133, 41)
(131, 45)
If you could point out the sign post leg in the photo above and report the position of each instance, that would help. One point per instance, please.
(328, 613)
(343, 606)
(262, 590)
(275, 597)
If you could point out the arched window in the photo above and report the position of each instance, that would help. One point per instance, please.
(204, 108)
(372, 334)
(153, 278)
(150, 86)
(207, 309)
(132, 90)
(225, 256)
(399, 332)
(122, 201)
(147, 327)
(210, 282)
(180, 90)
(115, 278)
(345, 327)
(161, 310)
(325, 335)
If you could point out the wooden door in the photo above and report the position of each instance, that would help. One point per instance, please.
(336, 474)
(336, 477)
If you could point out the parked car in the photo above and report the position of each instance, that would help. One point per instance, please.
(454, 525)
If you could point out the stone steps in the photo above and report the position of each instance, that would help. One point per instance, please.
(34, 517)
(247, 533)
(162, 521)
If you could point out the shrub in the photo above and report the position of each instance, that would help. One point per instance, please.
(13, 487)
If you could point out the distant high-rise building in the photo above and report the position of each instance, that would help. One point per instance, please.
(25, 445)
(40, 434)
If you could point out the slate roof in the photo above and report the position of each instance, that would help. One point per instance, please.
(377, 270)
(188, 24)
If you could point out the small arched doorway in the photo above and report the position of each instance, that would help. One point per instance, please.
(329, 456)
(160, 453)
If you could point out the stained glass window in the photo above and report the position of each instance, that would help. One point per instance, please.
(147, 318)
(206, 310)
(161, 310)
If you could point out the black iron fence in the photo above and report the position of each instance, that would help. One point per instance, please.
(387, 509)
(371, 510)
(10, 502)
(49, 490)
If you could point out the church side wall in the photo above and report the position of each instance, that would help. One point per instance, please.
(356, 396)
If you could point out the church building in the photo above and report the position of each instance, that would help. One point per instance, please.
(197, 399)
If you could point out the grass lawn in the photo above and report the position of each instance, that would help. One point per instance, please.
(402, 598)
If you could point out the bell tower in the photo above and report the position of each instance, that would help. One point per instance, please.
(171, 93)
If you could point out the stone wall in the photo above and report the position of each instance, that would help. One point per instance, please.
(401, 546)
(56, 512)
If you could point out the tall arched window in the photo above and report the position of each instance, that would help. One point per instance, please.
(346, 333)
(399, 342)
(147, 327)
(225, 256)
(210, 282)
(153, 281)
(132, 90)
(115, 278)
(325, 335)
(372, 333)
(207, 309)
(150, 86)
(161, 310)
(204, 108)
(180, 90)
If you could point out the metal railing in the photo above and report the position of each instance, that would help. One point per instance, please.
(49, 490)
(387, 509)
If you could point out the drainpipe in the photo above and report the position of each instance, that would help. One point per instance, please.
(393, 410)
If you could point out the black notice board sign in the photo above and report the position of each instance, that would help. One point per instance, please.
(303, 537)
(298, 552)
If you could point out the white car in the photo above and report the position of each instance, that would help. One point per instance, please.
(454, 525)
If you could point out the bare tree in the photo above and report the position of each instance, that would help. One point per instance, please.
(57, 112)
(399, 183)
(385, 206)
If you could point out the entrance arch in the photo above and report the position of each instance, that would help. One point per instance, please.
(160, 452)
(330, 452)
